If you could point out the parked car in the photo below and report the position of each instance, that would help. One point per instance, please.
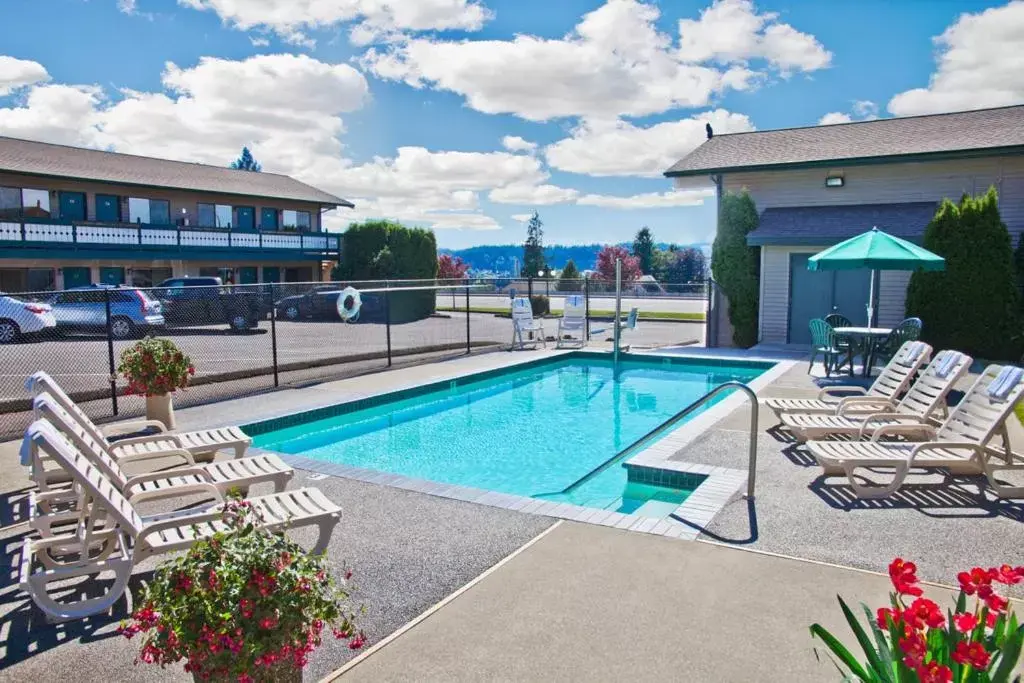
(84, 309)
(206, 301)
(321, 303)
(19, 318)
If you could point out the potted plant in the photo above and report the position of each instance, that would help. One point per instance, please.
(245, 605)
(156, 368)
(914, 641)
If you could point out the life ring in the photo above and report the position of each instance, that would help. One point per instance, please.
(349, 303)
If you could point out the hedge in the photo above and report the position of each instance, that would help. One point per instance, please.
(735, 266)
(974, 305)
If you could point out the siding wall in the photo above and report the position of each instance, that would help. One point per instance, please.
(879, 184)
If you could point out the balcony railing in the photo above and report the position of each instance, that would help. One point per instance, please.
(162, 237)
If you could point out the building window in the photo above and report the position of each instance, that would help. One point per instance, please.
(295, 220)
(16, 202)
(149, 211)
(215, 215)
(10, 202)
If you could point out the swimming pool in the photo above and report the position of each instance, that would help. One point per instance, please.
(536, 429)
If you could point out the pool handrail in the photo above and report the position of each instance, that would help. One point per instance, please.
(682, 414)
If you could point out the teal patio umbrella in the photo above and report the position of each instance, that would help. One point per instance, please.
(875, 250)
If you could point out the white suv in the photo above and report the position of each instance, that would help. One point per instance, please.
(19, 317)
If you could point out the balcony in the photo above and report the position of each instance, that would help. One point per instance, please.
(69, 239)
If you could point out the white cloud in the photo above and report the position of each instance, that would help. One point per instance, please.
(834, 117)
(618, 148)
(514, 143)
(865, 109)
(292, 18)
(980, 64)
(614, 63)
(18, 73)
(126, 6)
(532, 194)
(648, 200)
(731, 31)
(522, 217)
(259, 41)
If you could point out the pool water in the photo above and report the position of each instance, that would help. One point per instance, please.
(532, 431)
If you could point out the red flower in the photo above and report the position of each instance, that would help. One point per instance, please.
(965, 623)
(268, 622)
(357, 642)
(904, 577)
(974, 654)
(914, 648)
(246, 607)
(885, 614)
(996, 603)
(348, 574)
(1007, 574)
(990, 619)
(978, 581)
(933, 672)
(923, 612)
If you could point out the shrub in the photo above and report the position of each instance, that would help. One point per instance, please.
(243, 605)
(570, 278)
(449, 268)
(734, 265)
(541, 305)
(606, 265)
(974, 305)
(914, 640)
(155, 367)
(643, 249)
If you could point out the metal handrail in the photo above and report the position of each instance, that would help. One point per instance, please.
(672, 421)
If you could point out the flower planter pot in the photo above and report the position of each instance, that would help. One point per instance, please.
(161, 408)
(276, 674)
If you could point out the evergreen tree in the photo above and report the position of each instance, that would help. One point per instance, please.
(1018, 257)
(734, 265)
(643, 249)
(973, 305)
(533, 249)
(570, 279)
(246, 162)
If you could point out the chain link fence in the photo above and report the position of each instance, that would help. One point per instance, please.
(247, 339)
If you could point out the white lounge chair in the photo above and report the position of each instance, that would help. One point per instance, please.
(203, 443)
(924, 403)
(240, 473)
(106, 519)
(959, 444)
(524, 324)
(572, 326)
(881, 395)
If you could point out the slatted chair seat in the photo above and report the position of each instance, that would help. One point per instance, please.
(883, 393)
(105, 516)
(924, 403)
(958, 444)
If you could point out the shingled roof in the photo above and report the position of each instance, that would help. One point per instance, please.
(60, 161)
(981, 132)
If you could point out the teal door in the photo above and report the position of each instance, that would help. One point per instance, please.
(815, 294)
(112, 276)
(247, 275)
(76, 277)
(271, 274)
(72, 206)
(268, 219)
(108, 208)
(246, 217)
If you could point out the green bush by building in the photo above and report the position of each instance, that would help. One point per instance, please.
(735, 266)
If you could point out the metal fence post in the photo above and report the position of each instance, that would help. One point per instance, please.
(273, 333)
(586, 299)
(110, 353)
(387, 317)
(707, 313)
(468, 338)
(529, 287)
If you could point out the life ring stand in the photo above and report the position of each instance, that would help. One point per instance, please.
(349, 303)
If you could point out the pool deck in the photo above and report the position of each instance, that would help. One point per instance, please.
(582, 601)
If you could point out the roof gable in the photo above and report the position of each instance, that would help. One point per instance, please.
(44, 159)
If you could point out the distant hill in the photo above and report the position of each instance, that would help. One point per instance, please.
(502, 258)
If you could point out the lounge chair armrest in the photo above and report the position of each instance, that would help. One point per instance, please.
(860, 403)
(134, 426)
(177, 491)
(162, 453)
(906, 428)
(203, 475)
(55, 496)
(175, 522)
(848, 389)
(149, 438)
(866, 427)
(936, 445)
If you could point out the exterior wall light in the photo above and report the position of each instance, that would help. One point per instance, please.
(834, 181)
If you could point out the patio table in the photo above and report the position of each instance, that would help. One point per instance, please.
(864, 339)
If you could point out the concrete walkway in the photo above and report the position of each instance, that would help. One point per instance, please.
(588, 603)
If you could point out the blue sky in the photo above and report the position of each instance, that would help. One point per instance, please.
(435, 113)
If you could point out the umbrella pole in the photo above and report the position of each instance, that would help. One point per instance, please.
(871, 300)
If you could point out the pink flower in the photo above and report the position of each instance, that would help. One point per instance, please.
(268, 623)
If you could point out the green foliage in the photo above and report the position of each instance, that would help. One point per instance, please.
(570, 279)
(244, 605)
(735, 266)
(541, 305)
(246, 162)
(1018, 259)
(155, 367)
(974, 305)
(533, 248)
(643, 249)
(680, 265)
(379, 250)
